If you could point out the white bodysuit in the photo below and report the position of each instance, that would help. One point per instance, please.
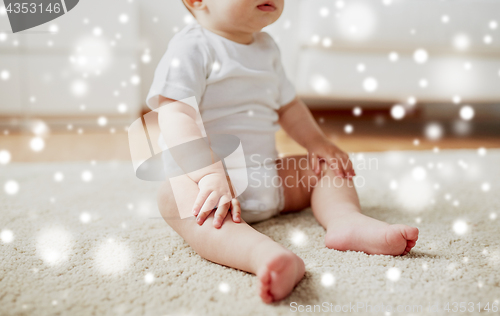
(238, 89)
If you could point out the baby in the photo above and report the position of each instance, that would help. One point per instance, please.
(234, 71)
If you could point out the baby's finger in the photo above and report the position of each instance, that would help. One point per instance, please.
(334, 164)
(208, 207)
(200, 200)
(220, 215)
(342, 163)
(346, 165)
(312, 161)
(236, 211)
(340, 172)
(318, 166)
(350, 170)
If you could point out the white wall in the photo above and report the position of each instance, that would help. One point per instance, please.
(44, 73)
(366, 31)
(159, 22)
(86, 57)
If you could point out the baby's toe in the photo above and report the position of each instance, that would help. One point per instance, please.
(266, 297)
(406, 251)
(265, 286)
(411, 243)
(411, 234)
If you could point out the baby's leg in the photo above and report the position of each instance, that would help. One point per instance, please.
(237, 245)
(336, 207)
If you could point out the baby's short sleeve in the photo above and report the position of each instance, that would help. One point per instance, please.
(182, 71)
(286, 88)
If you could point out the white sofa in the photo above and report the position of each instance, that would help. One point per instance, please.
(324, 42)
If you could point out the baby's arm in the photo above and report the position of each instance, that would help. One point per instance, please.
(178, 126)
(296, 119)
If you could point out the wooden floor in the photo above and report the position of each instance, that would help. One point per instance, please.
(366, 143)
(106, 146)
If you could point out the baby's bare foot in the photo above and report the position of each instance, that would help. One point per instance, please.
(279, 276)
(358, 232)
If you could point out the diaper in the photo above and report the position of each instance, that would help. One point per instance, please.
(264, 196)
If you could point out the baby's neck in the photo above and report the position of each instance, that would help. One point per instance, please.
(245, 38)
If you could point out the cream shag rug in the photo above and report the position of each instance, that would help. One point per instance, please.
(76, 247)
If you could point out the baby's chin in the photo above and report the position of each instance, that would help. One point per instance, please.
(261, 22)
(250, 24)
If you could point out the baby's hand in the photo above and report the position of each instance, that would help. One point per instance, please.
(215, 193)
(333, 156)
